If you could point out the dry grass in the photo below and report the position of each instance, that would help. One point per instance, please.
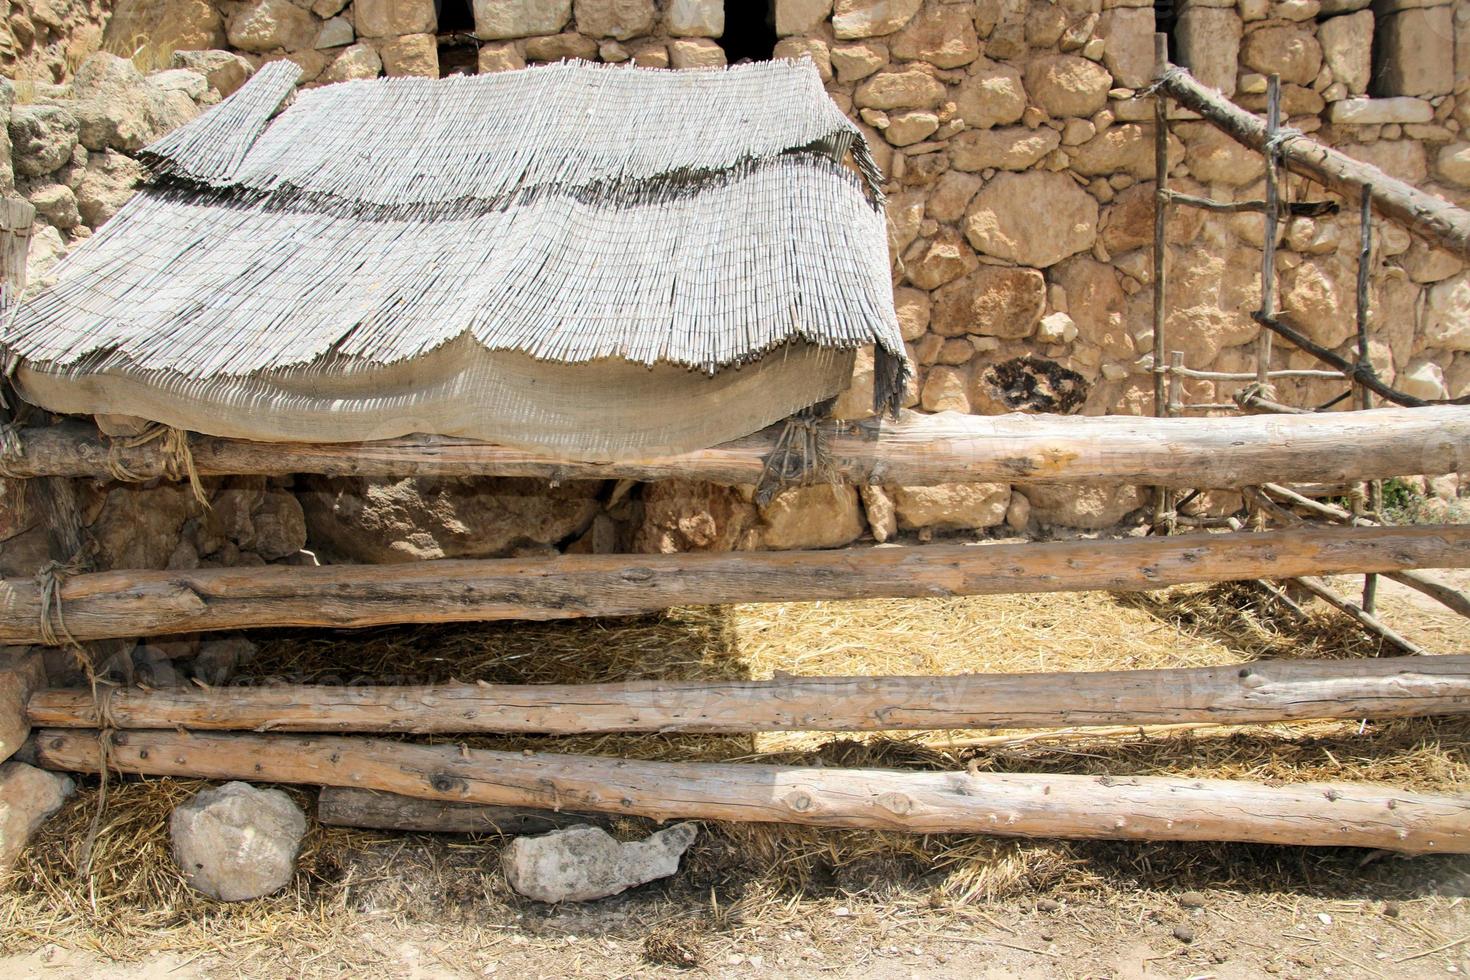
(741, 876)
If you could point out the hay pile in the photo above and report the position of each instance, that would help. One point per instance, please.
(745, 876)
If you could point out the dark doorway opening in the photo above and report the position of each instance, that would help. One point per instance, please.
(750, 30)
(1166, 15)
(455, 16)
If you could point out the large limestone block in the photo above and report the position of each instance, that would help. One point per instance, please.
(1086, 508)
(1096, 301)
(621, 19)
(499, 19)
(391, 18)
(1453, 163)
(854, 62)
(942, 259)
(1405, 159)
(853, 19)
(1286, 49)
(695, 18)
(695, 52)
(350, 519)
(912, 309)
(1211, 296)
(951, 195)
(1128, 44)
(1208, 40)
(1119, 149)
(1214, 158)
(225, 71)
(27, 797)
(942, 36)
(690, 515)
(1447, 320)
(993, 96)
(951, 506)
(899, 90)
(993, 301)
(1035, 218)
(1347, 45)
(946, 389)
(411, 55)
(1422, 378)
(114, 107)
(1378, 112)
(812, 517)
(108, 182)
(1318, 294)
(356, 61)
(41, 138)
(1066, 85)
(1011, 148)
(57, 204)
(801, 16)
(237, 842)
(1416, 52)
(270, 25)
(165, 25)
(583, 863)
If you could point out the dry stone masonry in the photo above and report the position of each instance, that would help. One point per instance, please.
(1017, 148)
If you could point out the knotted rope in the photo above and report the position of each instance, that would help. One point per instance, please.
(178, 460)
(799, 458)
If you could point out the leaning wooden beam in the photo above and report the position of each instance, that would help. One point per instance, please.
(1442, 223)
(1341, 447)
(1451, 597)
(1007, 804)
(146, 603)
(1362, 617)
(1229, 695)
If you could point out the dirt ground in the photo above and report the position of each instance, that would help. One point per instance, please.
(789, 902)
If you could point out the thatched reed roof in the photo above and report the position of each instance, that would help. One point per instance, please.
(571, 213)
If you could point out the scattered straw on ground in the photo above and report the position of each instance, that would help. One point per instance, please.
(747, 876)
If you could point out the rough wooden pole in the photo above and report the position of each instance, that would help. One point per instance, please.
(918, 450)
(1271, 219)
(1163, 505)
(1449, 596)
(147, 603)
(340, 806)
(1238, 694)
(1424, 214)
(1367, 620)
(1007, 804)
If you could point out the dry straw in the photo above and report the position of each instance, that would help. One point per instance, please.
(761, 877)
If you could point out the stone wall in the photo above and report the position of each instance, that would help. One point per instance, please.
(1019, 160)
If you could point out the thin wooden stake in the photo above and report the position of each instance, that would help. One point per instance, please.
(1366, 620)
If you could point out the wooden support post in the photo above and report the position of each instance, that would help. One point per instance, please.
(1374, 494)
(1452, 598)
(1440, 223)
(1006, 804)
(919, 450)
(1267, 691)
(342, 806)
(1364, 619)
(1162, 502)
(1271, 221)
(148, 603)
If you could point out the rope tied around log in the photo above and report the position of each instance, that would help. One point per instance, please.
(799, 458)
(1168, 75)
(178, 460)
(50, 579)
(12, 450)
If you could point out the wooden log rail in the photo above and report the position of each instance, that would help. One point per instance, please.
(1007, 804)
(917, 450)
(148, 603)
(1239, 694)
(1424, 214)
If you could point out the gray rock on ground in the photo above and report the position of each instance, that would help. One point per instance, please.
(27, 797)
(236, 842)
(583, 863)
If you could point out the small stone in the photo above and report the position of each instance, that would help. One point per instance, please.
(1392, 909)
(560, 47)
(335, 33)
(695, 52)
(500, 57)
(582, 863)
(411, 55)
(899, 90)
(1065, 85)
(355, 61)
(1184, 933)
(225, 71)
(1192, 900)
(237, 842)
(952, 506)
(1048, 905)
(854, 62)
(27, 797)
(57, 204)
(1374, 112)
(905, 128)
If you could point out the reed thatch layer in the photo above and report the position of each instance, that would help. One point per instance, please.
(572, 213)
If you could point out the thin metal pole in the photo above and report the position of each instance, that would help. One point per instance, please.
(1272, 217)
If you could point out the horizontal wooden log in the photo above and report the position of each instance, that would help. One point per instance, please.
(1016, 805)
(1441, 223)
(1237, 694)
(918, 450)
(340, 806)
(147, 603)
